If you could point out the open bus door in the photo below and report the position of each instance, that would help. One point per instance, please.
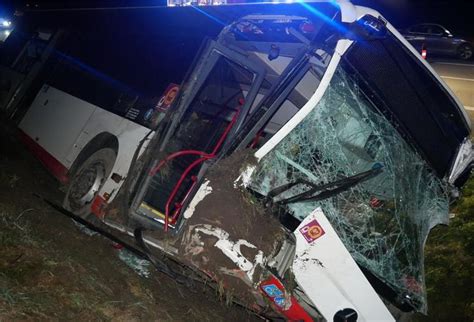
(213, 104)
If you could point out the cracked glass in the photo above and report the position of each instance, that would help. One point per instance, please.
(384, 219)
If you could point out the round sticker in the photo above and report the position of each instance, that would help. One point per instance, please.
(170, 96)
(315, 232)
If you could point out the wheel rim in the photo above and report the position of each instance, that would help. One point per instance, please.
(465, 52)
(86, 185)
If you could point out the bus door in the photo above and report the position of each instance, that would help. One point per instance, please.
(213, 104)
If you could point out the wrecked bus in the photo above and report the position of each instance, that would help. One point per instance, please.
(299, 164)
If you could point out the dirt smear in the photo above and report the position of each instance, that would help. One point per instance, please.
(231, 209)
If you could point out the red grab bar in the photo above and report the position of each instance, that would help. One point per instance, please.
(176, 188)
(203, 157)
(156, 168)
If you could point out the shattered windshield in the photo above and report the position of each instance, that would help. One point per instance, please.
(384, 219)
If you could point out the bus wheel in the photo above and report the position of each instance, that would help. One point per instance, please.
(87, 180)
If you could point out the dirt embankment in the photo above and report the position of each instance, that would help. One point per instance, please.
(49, 270)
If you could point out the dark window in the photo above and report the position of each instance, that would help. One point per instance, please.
(412, 98)
(68, 76)
(214, 105)
(419, 29)
(295, 100)
(436, 30)
(68, 73)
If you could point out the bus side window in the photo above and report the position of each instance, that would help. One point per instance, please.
(76, 78)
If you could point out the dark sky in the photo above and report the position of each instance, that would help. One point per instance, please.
(456, 15)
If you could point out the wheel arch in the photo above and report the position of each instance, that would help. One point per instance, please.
(100, 141)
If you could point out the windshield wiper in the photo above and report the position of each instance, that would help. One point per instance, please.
(323, 191)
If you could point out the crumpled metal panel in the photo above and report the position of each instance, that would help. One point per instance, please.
(383, 221)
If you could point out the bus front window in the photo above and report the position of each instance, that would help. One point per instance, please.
(383, 219)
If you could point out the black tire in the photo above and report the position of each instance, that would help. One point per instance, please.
(465, 51)
(87, 180)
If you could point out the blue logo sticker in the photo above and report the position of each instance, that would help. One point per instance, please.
(148, 114)
(272, 290)
(280, 301)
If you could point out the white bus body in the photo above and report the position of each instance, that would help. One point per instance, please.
(324, 267)
(71, 125)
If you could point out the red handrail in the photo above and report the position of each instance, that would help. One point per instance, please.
(203, 157)
(176, 188)
(155, 169)
(178, 206)
(226, 132)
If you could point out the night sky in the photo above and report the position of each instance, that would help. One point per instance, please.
(456, 15)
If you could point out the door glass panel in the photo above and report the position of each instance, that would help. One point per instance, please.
(203, 127)
(213, 107)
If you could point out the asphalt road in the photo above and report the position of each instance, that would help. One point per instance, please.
(460, 78)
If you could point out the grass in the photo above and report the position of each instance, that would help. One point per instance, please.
(449, 264)
(29, 284)
(8, 179)
(19, 268)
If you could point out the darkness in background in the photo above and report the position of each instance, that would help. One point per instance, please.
(454, 14)
(144, 48)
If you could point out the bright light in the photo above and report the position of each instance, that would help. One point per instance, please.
(6, 23)
(6, 33)
(423, 53)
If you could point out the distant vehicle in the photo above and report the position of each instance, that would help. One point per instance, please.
(437, 40)
(5, 29)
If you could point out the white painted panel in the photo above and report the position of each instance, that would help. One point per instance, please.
(100, 121)
(130, 135)
(328, 274)
(55, 120)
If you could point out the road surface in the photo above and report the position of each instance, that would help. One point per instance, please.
(460, 78)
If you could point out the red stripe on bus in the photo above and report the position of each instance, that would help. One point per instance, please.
(51, 163)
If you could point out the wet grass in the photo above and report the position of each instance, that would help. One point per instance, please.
(20, 295)
(38, 283)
